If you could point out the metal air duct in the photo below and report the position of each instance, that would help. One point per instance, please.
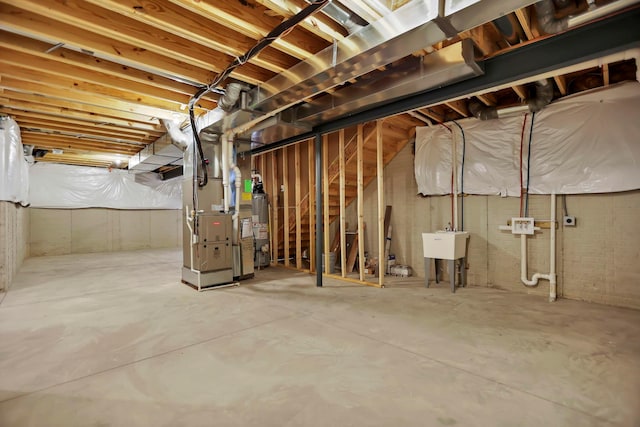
(445, 66)
(544, 95)
(546, 10)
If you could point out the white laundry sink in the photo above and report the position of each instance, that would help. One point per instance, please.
(445, 244)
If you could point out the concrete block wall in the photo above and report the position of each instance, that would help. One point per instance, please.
(14, 241)
(66, 231)
(595, 261)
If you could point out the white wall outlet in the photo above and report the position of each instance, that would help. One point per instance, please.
(569, 221)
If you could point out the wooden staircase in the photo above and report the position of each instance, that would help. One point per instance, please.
(397, 131)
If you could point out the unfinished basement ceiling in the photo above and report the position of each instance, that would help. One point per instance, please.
(90, 81)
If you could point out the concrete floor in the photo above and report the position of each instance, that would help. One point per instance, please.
(114, 339)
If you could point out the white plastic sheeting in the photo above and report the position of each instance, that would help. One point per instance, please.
(14, 171)
(587, 143)
(63, 186)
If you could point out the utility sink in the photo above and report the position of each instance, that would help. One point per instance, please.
(449, 245)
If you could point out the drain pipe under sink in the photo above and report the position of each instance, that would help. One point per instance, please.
(551, 277)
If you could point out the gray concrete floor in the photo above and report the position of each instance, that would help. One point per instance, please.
(114, 339)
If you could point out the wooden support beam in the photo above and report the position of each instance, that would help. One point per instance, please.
(381, 205)
(524, 19)
(285, 222)
(605, 74)
(325, 200)
(488, 99)
(254, 21)
(87, 102)
(312, 206)
(360, 162)
(562, 84)
(343, 207)
(521, 91)
(275, 200)
(459, 106)
(298, 207)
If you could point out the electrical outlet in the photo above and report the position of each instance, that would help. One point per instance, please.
(569, 221)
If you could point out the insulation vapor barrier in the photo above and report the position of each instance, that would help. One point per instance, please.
(586, 143)
(63, 186)
(14, 170)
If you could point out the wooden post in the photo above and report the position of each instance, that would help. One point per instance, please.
(325, 199)
(343, 222)
(312, 213)
(381, 207)
(285, 222)
(360, 161)
(298, 210)
(275, 200)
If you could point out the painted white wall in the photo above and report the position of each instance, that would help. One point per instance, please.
(66, 231)
(596, 261)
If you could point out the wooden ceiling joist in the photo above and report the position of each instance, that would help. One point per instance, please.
(43, 49)
(254, 21)
(81, 97)
(95, 112)
(58, 69)
(186, 24)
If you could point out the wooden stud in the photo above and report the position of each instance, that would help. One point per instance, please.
(298, 207)
(488, 99)
(360, 162)
(605, 74)
(312, 211)
(381, 206)
(325, 200)
(343, 208)
(459, 106)
(275, 200)
(286, 220)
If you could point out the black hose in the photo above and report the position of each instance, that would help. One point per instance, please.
(264, 42)
(526, 203)
(464, 149)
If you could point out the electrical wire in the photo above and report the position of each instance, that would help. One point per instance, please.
(524, 124)
(281, 29)
(526, 209)
(464, 149)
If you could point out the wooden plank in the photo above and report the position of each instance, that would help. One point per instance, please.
(285, 222)
(44, 26)
(317, 24)
(325, 198)
(459, 106)
(255, 22)
(79, 118)
(275, 200)
(605, 74)
(562, 84)
(61, 69)
(521, 91)
(67, 56)
(360, 165)
(85, 100)
(311, 168)
(197, 28)
(343, 207)
(488, 99)
(7, 87)
(298, 207)
(381, 232)
(131, 39)
(97, 90)
(353, 253)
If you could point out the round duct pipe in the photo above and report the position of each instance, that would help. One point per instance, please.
(543, 96)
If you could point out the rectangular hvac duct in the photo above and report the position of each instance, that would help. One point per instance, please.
(463, 15)
(445, 66)
(406, 30)
(159, 153)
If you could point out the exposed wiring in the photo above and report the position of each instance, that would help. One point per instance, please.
(526, 209)
(278, 31)
(524, 124)
(464, 149)
(564, 205)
